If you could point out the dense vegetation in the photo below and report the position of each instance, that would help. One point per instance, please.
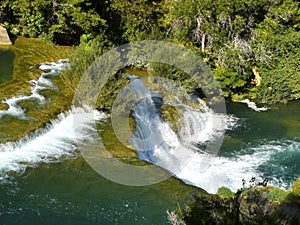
(253, 46)
(250, 205)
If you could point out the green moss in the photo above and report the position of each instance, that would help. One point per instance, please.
(29, 53)
(225, 192)
(277, 194)
(115, 147)
(172, 116)
(3, 106)
(296, 186)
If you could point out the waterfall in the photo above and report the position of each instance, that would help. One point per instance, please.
(58, 139)
(184, 152)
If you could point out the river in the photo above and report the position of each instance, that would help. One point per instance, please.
(45, 180)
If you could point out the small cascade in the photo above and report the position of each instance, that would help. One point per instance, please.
(56, 140)
(50, 70)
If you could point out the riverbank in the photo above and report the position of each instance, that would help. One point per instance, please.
(252, 205)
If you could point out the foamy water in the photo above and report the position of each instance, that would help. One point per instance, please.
(57, 140)
(191, 153)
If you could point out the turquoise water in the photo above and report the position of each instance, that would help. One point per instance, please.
(274, 133)
(68, 191)
(45, 180)
(6, 64)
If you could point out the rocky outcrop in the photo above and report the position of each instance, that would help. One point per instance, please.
(4, 38)
(250, 206)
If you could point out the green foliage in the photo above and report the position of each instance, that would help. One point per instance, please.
(296, 187)
(281, 79)
(225, 192)
(277, 194)
(248, 206)
(139, 18)
(60, 21)
(170, 72)
(230, 81)
(74, 18)
(209, 209)
(87, 54)
(80, 62)
(232, 36)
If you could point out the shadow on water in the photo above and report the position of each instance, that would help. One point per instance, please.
(7, 57)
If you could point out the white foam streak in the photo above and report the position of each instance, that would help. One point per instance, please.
(51, 69)
(230, 172)
(253, 106)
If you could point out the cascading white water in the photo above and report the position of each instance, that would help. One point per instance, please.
(58, 139)
(179, 152)
(51, 69)
(182, 153)
(49, 144)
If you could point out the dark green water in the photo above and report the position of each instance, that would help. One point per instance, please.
(272, 136)
(72, 193)
(6, 64)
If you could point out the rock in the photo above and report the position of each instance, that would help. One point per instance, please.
(4, 38)
(257, 80)
(249, 206)
(3, 106)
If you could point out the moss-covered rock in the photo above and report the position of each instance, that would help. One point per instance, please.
(248, 206)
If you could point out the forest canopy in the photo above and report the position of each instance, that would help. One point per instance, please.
(252, 46)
